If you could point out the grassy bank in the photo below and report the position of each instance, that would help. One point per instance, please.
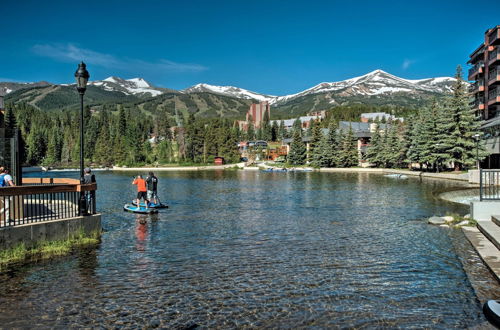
(47, 249)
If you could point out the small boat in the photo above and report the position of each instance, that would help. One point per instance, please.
(141, 210)
(159, 205)
(272, 169)
(397, 176)
(491, 310)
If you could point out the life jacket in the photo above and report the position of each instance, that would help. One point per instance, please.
(2, 181)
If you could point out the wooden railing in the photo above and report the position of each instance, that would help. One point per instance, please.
(45, 199)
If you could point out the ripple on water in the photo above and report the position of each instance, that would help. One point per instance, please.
(249, 249)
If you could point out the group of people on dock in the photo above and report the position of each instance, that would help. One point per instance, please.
(147, 189)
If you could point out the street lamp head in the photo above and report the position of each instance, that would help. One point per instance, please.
(82, 76)
(476, 136)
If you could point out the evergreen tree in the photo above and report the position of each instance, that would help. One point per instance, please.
(266, 129)
(36, 145)
(251, 132)
(374, 150)
(331, 149)
(10, 122)
(466, 125)
(297, 154)
(314, 142)
(348, 155)
(282, 131)
(274, 131)
(297, 126)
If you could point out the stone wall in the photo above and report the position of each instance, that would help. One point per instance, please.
(62, 229)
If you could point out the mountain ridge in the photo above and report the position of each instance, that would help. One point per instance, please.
(374, 88)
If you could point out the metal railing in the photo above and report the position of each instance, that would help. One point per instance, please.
(45, 199)
(493, 54)
(493, 93)
(476, 68)
(492, 74)
(489, 185)
(494, 36)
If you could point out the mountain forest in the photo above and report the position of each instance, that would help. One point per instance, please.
(137, 133)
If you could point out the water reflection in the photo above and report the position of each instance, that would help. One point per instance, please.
(251, 249)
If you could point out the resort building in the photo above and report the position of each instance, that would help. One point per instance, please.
(485, 74)
(378, 116)
(362, 133)
(255, 115)
(305, 121)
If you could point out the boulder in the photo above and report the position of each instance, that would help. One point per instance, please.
(467, 216)
(448, 218)
(436, 220)
(464, 223)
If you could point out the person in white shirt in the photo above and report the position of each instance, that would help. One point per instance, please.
(6, 181)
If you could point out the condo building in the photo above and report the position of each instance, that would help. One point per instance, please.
(485, 90)
(255, 115)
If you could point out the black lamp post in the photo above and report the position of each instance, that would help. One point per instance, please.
(476, 137)
(82, 77)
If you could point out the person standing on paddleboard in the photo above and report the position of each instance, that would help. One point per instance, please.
(152, 183)
(141, 190)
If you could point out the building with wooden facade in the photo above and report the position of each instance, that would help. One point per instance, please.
(485, 90)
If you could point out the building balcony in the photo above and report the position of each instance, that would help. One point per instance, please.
(494, 36)
(494, 56)
(478, 68)
(478, 104)
(494, 76)
(477, 55)
(477, 87)
(494, 96)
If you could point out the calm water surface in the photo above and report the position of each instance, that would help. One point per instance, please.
(254, 249)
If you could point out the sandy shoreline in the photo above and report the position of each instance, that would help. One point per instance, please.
(448, 176)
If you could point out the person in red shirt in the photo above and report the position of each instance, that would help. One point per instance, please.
(141, 190)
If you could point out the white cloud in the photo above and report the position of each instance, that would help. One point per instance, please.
(406, 63)
(72, 53)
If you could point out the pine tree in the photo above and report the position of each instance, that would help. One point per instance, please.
(265, 128)
(466, 125)
(274, 131)
(297, 154)
(314, 141)
(251, 132)
(10, 122)
(348, 155)
(374, 150)
(297, 126)
(282, 131)
(320, 151)
(331, 149)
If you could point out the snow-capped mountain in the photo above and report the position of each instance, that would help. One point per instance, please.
(377, 82)
(135, 86)
(376, 88)
(231, 91)
(374, 83)
(9, 87)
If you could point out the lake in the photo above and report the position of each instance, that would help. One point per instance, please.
(255, 249)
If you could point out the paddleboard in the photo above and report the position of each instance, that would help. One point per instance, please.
(141, 210)
(491, 310)
(153, 205)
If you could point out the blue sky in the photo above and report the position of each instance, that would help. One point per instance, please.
(272, 47)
